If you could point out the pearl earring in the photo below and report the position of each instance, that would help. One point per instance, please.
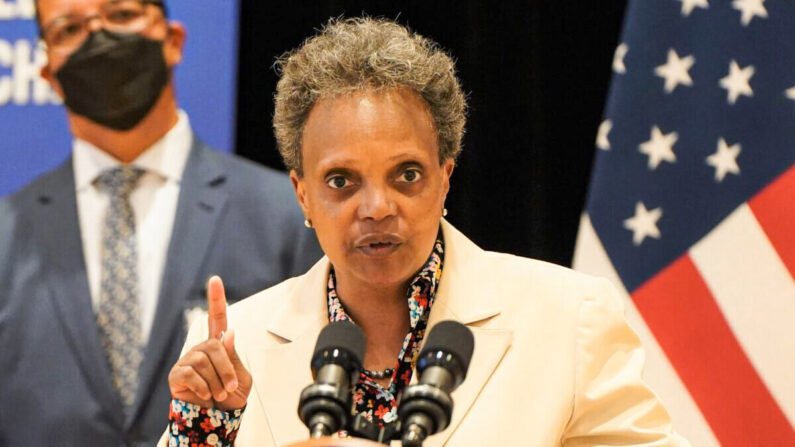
(307, 223)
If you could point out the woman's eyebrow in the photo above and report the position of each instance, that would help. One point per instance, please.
(409, 163)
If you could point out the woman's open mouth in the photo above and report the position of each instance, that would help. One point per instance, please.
(378, 244)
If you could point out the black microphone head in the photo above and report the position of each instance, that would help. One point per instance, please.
(426, 408)
(452, 338)
(342, 343)
(325, 405)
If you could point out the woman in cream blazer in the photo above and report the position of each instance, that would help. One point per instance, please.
(369, 119)
(555, 363)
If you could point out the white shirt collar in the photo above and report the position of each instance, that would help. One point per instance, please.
(165, 158)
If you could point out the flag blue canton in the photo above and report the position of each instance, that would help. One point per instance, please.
(690, 136)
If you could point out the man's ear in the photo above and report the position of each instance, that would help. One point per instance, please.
(299, 185)
(174, 43)
(47, 74)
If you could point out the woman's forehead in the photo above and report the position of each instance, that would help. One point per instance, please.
(368, 124)
(369, 113)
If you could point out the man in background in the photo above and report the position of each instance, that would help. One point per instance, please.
(104, 259)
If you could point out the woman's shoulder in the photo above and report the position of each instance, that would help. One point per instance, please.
(518, 282)
(471, 259)
(520, 270)
(527, 282)
(264, 300)
(250, 317)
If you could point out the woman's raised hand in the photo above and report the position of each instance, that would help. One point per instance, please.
(211, 374)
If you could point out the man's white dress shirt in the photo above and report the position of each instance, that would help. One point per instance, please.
(154, 201)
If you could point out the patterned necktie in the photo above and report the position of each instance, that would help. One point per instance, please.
(118, 318)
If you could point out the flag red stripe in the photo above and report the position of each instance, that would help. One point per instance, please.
(774, 208)
(688, 324)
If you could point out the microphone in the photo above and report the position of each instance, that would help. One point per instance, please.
(325, 406)
(426, 408)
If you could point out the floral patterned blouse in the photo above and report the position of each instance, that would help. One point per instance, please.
(193, 426)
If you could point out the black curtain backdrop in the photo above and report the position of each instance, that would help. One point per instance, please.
(536, 73)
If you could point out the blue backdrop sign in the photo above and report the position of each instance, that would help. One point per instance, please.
(34, 135)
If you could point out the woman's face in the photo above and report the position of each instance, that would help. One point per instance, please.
(372, 185)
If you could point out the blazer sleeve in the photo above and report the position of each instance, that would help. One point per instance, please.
(612, 404)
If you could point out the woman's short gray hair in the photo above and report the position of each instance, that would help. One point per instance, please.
(349, 55)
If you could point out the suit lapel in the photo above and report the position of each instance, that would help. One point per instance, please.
(464, 296)
(281, 372)
(55, 223)
(201, 202)
(490, 347)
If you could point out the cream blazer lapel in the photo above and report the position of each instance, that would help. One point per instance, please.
(465, 297)
(281, 370)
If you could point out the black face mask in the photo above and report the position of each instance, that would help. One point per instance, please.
(114, 79)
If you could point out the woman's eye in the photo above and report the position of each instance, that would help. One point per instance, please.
(410, 176)
(338, 182)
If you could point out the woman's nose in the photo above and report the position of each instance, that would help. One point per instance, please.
(376, 203)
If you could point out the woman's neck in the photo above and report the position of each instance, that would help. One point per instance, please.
(383, 315)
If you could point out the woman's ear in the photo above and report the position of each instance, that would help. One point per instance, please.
(299, 185)
(447, 167)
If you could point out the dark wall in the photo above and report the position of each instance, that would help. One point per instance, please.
(536, 73)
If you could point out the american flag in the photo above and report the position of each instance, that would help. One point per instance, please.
(691, 210)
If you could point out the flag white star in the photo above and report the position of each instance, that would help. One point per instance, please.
(674, 71)
(724, 160)
(736, 82)
(749, 9)
(618, 59)
(601, 135)
(689, 5)
(659, 148)
(790, 93)
(644, 223)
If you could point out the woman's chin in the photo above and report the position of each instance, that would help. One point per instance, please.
(381, 273)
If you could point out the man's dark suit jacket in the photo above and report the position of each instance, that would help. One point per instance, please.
(233, 218)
